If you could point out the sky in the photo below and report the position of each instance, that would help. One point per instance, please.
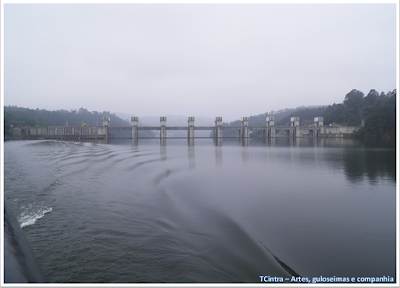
(225, 60)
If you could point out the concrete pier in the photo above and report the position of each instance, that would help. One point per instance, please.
(190, 127)
(294, 132)
(269, 132)
(245, 127)
(163, 125)
(318, 121)
(218, 126)
(294, 121)
(134, 122)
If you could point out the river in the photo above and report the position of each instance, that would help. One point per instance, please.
(205, 213)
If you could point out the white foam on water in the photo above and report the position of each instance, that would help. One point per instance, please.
(87, 144)
(30, 217)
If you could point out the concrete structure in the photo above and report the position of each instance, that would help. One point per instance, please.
(60, 133)
(294, 121)
(191, 127)
(218, 127)
(244, 133)
(270, 121)
(134, 122)
(318, 121)
(268, 131)
(106, 121)
(337, 131)
(163, 125)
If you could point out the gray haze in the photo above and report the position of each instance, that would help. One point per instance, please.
(228, 60)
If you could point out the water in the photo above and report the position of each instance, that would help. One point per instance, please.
(226, 213)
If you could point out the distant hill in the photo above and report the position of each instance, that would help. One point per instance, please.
(306, 115)
(282, 115)
(15, 115)
(282, 118)
(19, 116)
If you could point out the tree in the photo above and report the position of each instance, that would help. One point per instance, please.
(380, 116)
(370, 100)
(353, 103)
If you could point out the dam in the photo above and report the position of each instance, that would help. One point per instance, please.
(269, 130)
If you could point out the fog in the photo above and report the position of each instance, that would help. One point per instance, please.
(228, 60)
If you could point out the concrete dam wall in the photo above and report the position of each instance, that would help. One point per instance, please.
(318, 130)
(60, 133)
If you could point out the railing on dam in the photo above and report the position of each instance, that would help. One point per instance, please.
(243, 131)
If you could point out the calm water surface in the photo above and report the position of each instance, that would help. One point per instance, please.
(119, 212)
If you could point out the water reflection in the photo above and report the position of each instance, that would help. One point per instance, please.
(358, 159)
(374, 164)
(230, 211)
(163, 149)
(191, 157)
(218, 141)
(244, 142)
(218, 155)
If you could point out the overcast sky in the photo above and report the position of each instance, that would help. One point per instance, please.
(228, 60)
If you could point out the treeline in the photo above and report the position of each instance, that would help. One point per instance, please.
(18, 116)
(357, 107)
(376, 112)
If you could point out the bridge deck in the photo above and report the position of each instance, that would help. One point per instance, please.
(196, 127)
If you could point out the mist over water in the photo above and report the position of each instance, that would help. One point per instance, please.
(119, 212)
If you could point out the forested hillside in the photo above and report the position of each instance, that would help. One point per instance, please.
(259, 120)
(376, 111)
(15, 116)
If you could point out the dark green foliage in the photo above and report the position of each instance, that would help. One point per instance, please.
(380, 116)
(378, 111)
(353, 102)
(335, 114)
(351, 111)
(18, 116)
